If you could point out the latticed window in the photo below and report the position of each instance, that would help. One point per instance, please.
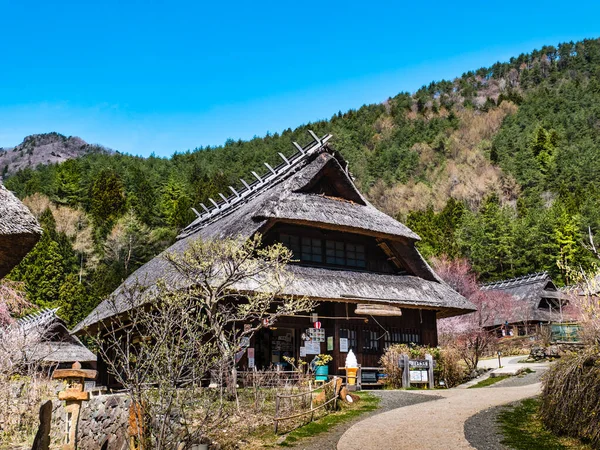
(402, 336)
(351, 336)
(345, 254)
(312, 250)
(293, 243)
(370, 341)
(335, 252)
(355, 255)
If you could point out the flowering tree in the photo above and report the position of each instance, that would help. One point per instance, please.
(467, 333)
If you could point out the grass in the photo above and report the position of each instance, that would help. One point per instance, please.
(523, 430)
(368, 402)
(489, 381)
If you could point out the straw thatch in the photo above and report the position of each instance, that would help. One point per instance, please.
(19, 231)
(533, 293)
(52, 342)
(311, 189)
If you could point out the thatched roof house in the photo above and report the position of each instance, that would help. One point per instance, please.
(19, 231)
(349, 252)
(48, 341)
(538, 300)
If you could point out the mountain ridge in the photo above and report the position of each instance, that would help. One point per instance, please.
(44, 148)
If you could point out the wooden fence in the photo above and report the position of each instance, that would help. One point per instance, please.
(310, 394)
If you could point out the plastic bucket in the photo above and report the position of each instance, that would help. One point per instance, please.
(321, 373)
(351, 374)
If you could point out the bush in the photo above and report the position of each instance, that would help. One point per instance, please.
(448, 367)
(571, 396)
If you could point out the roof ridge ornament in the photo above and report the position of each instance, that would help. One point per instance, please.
(240, 196)
(509, 282)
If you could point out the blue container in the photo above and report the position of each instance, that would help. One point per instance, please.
(321, 373)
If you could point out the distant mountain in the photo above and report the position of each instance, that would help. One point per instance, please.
(47, 148)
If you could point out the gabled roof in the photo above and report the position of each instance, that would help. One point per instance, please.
(292, 194)
(52, 343)
(19, 231)
(529, 290)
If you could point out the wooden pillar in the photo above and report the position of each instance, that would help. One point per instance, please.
(73, 396)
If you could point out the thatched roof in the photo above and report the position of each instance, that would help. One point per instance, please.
(19, 231)
(53, 343)
(531, 291)
(292, 194)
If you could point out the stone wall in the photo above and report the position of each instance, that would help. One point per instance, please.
(103, 423)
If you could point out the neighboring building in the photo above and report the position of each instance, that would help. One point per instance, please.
(537, 301)
(353, 259)
(48, 343)
(19, 231)
(43, 337)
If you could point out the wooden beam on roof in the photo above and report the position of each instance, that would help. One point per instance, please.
(204, 207)
(224, 198)
(196, 212)
(234, 191)
(245, 184)
(213, 202)
(257, 176)
(298, 146)
(287, 161)
(314, 136)
(270, 168)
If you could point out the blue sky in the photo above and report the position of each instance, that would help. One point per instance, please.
(158, 76)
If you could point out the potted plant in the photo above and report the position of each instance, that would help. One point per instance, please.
(322, 369)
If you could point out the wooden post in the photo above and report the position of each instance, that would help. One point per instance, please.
(276, 411)
(405, 372)
(429, 359)
(73, 396)
(335, 393)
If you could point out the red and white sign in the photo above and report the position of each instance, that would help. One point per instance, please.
(317, 325)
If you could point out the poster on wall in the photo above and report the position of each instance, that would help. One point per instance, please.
(251, 358)
(302, 352)
(312, 347)
(329, 343)
(344, 345)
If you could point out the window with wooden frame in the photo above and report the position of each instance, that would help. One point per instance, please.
(370, 341)
(351, 335)
(312, 249)
(402, 336)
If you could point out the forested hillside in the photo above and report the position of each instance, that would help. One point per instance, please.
(501, 165)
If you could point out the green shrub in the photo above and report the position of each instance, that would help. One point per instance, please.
(448, 367)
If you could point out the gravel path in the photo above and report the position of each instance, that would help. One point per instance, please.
(521, 380)
(389, 400)
(432, 425)
(482, 430)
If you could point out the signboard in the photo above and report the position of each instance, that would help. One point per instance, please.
(416, 370)
(302, 352)
(344, 345)
(316, 334)
(329, 343)
(418, 376)
(251, 358)
(312, 348)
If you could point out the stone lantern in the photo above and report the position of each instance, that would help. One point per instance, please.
(73, 396)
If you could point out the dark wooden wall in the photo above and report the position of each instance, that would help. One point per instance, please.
(414, 326)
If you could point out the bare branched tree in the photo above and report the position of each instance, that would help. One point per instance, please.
(175, 334)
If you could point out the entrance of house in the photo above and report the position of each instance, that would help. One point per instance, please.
(272, 344)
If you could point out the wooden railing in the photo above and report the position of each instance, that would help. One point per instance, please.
(312, 408)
